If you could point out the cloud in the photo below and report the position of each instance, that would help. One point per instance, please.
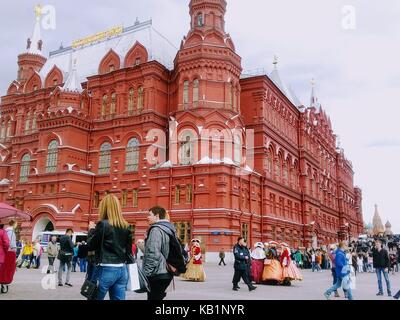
(384, 144)
(356, 70)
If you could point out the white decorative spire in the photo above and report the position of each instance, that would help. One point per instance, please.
(277, 80)
(35, 43)
(72, 84)
(275, 76)
(276, 61)
(314, 99)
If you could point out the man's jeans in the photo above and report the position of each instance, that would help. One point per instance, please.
(315, 266)
(337, 286)
(379, 272)
(60, 271)
(82, 264)
(334, 275)
(51, 264)
(114, 281)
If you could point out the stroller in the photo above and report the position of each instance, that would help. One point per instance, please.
(7, 271)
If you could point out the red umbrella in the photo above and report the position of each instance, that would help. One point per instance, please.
(6, 211)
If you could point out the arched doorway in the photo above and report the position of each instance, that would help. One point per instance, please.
(43, 224)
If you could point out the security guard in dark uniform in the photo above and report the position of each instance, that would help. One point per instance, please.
(242, 265)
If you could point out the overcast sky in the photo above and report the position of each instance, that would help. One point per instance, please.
(355, 63)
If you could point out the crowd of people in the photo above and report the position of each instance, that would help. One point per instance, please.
(110, 249)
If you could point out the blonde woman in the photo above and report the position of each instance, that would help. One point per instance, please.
(111, 239)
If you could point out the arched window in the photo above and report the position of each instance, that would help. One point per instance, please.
(105, 158)
(27, 122)
(124, 198)
(104, 106)
(278, 170)
(177, 194)
(25, 166)
(234, 102)
(140, 99)
(9, 124)
(189, 193)
(286, 172)
(52, 153)
(3, 130)
(131, 101)
(113, 103)
(34, 122)
(237, 153)
(135, 198)
(186, 148)
(200, 20)
(132, 156)
(269, 161)
(230, 95)
(96, 200)
(195, 92)
(185, 92)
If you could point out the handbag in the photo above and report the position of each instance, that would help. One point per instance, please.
(89, 290)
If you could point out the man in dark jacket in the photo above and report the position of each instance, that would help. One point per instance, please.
(156, 252)
(222, 257)
(381, 263)
(242, 265)
(65, 256)
(82, 255)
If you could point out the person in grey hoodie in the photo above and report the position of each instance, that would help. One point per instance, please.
(156, 252)
(52, 253)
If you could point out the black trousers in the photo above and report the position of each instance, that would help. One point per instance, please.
(222, 261)
(157, 289)
(244, 274)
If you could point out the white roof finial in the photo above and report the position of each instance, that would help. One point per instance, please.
(314, 99)
(276, 61)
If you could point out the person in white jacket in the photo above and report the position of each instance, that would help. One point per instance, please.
(360, 264)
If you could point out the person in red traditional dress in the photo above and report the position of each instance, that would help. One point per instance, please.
(272, 273)
(195, 269)
(257, 262)
(290, 272)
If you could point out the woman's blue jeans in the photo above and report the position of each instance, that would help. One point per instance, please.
(112, 280)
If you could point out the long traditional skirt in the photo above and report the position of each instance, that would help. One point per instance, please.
(272, 271)
(292, 273)
(195, 272)
(257, 267)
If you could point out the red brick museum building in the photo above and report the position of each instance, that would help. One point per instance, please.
(125, 112)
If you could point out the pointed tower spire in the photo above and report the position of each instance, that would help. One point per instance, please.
(378, 227)
(32, 60)
(72, 83)
(35, 44)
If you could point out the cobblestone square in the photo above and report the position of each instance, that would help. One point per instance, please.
(28, 286)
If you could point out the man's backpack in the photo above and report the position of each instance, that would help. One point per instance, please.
(175, 260)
